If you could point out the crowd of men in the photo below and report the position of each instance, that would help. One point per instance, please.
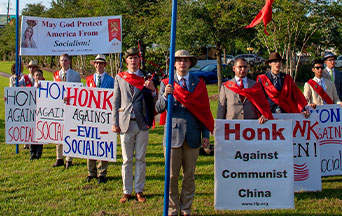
(136, 100)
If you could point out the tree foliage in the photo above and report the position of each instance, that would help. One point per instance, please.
(298, 26)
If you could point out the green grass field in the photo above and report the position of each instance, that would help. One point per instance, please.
(35, 188)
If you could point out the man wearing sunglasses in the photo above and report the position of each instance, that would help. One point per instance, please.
(331, 73)
(320, 90)
(242, 98)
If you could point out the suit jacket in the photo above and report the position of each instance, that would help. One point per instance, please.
(313, 97)
(107, 82)
(124, 103)
(337, 81)
(230, 105)
(273, 105)
(185, 126)
(71, 76)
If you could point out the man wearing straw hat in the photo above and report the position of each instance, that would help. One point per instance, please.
(28, 80)
(100, 79)
(131, 92)
(65, 74)
(192, 121)
(281, 92)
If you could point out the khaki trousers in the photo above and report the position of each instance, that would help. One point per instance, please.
(59, 153)
(186, 158)
(133, 141)
(102, 168)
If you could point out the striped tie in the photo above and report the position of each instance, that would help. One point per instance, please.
(184, 84)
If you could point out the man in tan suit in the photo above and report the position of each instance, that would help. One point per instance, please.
(320, 90)
(242, 98)
(131, 92)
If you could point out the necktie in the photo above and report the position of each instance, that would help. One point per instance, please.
(242, 98)
(131, 87)
(64, 77)
(98, 81)
(184, 84)
(277, 83)
(331, 75)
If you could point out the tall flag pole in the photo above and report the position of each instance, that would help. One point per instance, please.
(265, 15)
(169, 108)
(17, 64)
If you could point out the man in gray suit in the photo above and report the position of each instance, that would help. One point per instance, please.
(65, 74)
(191, 123)
(233, 103)
(129, 119)
(331, 73)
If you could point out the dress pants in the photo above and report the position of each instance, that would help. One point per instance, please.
(134, 140)
(185, 157)
(59, 153)
(102, 168)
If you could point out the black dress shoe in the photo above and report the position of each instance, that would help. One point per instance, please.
(33, 157)
(59, 162)
(102, 179)
(89, 178)
(68, 164)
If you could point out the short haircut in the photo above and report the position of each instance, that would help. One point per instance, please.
(66, 55)
(317, 61)
(39, 71)
(13, 68)
(239, 60)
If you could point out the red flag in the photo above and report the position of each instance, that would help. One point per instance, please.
(265, 14)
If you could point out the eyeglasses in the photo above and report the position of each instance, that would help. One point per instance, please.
(317, 68)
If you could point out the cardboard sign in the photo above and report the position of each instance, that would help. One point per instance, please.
(88, 123)
(75, 36)
(50, 110)
(20, 114)
(253, 164)
(330, 138)
(306, 151)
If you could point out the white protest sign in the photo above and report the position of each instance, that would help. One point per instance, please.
(50, 110)
(330, 138)
(306, 151)
(253, 164)
(88, 123)
(20, 114)
(75, 36)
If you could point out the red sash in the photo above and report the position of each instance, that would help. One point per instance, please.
(320, 91)
(27, 80)
(196, 102)
(255, 95)
(90, 81)
(290, 98)
(56, 77)
(133, 79)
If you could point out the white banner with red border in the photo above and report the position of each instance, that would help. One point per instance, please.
(75, 36)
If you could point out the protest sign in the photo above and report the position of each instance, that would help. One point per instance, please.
(330, 138)
(88, 123)
(253, 164)
(306, 151)
(20, 114)
(50, 110)
(75, 36)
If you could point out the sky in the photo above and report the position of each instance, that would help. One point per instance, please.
(22, 4)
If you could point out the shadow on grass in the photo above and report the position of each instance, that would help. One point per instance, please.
(330, 179)
(325, 193)
(158, 155)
